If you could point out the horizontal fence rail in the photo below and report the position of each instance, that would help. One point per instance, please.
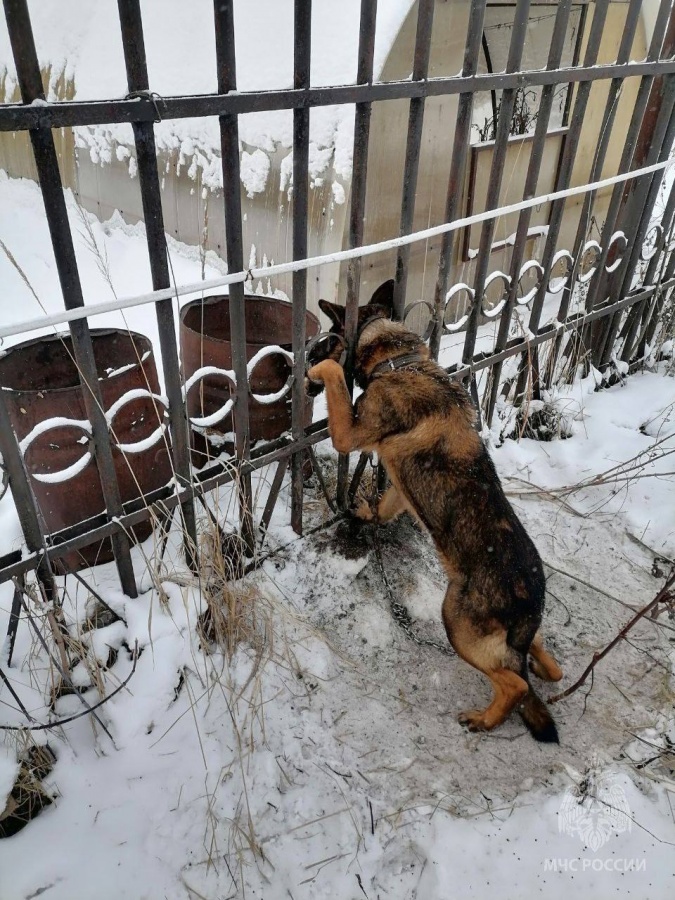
(208, 284)
(614, 286)
(68, 114)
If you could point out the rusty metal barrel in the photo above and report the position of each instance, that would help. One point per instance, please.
(45, 402)
(206, 345)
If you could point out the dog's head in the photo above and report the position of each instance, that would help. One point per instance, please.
(380, 306)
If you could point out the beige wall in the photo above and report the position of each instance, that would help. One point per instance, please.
(387, 154)
(590, 133)
(16, 155)
(193, 215)
(389, 124)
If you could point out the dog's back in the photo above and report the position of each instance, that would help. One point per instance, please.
(430, 449)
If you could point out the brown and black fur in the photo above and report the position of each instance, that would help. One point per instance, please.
(421, 424)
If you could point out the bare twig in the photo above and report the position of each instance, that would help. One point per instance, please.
(663, 596)
(588, 584)
(99, 598)
(63, 672)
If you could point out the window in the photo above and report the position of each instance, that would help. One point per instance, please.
(497, 32)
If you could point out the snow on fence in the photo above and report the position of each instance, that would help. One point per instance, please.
(597, 302)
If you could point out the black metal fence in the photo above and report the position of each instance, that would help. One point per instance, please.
(623, 278)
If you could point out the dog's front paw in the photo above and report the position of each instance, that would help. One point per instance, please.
(323, 370)
(313, 388)
(473, 719)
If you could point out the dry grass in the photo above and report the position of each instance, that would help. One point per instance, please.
(541, 421)
(235, 613)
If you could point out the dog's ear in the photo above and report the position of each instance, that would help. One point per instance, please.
(334, 312)
(384, 297)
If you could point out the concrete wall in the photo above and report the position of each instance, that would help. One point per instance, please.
(192, 213)
(195, 214)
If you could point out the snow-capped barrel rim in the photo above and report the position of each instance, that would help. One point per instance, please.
(206, 353)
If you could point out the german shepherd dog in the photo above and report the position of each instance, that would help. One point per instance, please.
(421, 424)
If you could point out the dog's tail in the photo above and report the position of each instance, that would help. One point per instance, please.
(538, 719)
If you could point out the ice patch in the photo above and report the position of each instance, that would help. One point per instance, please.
(254, 169)
(338, 193)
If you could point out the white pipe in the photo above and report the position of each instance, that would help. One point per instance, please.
(97, 309)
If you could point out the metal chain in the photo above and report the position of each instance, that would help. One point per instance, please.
(399, 612)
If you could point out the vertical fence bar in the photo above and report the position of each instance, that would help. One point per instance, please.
(301, 79)
(24, 500)
(666, 51)
(657, 88)
(599, 280)
(563, 179)
(30, 81)
(229, 145)
(611, 105)
(518, 35)
(148, 176)
(576, 56)
(425, 16)
(652, 321)
(639, 209)
(460, 147)
(530, 190)
(364, 75)
(623, 55)
(641, 311)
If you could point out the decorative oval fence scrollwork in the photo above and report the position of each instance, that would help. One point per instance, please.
(588, 263)
(59, 422)
(455, 291)
(274, 396)
(46, 406)
(652, 242)
(617, 245)
(494, 311)
(530, 266)
(214, 392)
(557, 283)
(197, 378)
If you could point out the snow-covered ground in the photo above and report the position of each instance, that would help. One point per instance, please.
(323, 758)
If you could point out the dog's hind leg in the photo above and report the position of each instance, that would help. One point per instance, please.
(391, 505)
(509, 691)
(542, 663)
(490, 654)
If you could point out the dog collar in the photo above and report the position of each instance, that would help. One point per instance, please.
(398, 362)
